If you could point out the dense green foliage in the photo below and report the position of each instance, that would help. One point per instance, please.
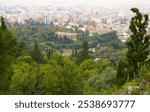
(45, 63)
(59, 76)
(8, 44)
(48, 38)
(138, 49)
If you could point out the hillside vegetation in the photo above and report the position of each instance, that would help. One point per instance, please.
(38, 61)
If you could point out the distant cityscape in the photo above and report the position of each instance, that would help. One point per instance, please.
(94, 19)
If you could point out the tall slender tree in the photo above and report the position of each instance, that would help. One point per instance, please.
(49, 53)
(138, 47)
(37, 53)
(84, 54)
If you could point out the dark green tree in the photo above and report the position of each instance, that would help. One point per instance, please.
(138, 45)
(8, 45)
(138, 48)
(122, 72)
(22, 49)
(84, 54)
(37, 53)
(76, 53)
(49, 53)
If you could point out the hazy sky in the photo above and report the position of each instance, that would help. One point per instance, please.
(100, 2)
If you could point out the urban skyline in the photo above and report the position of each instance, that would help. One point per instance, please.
(102, 19)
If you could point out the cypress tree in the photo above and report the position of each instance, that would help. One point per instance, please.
(37, 53)
(84, 53)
